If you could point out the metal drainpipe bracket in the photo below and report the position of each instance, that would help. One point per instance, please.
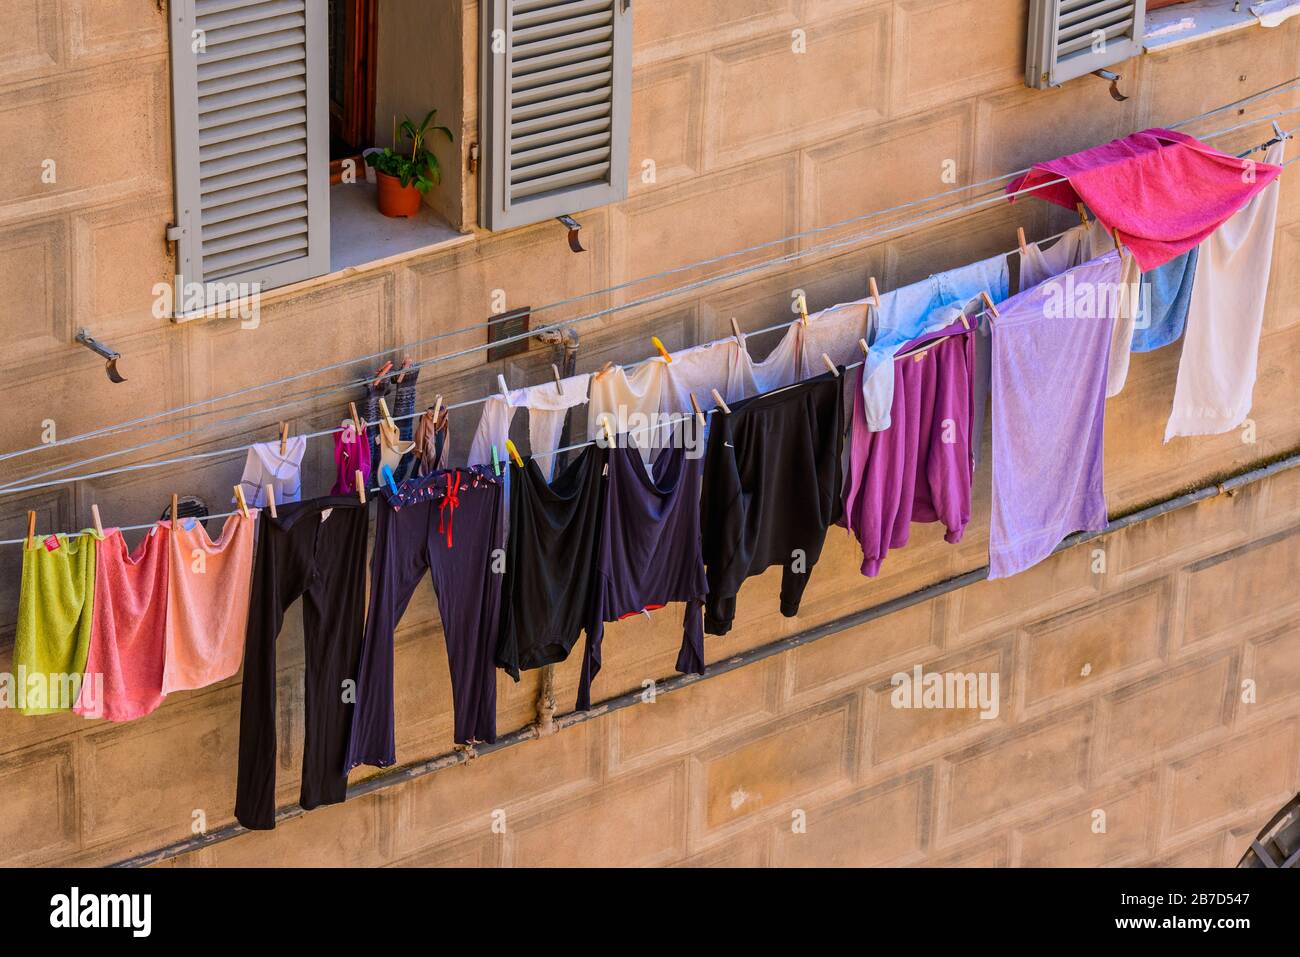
(94, 345)
(1114, 79)
(572, 225)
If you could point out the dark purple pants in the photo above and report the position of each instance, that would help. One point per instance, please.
(451, 535)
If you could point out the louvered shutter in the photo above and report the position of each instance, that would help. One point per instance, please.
(1068, 38)
(556, 93)
(250, 126)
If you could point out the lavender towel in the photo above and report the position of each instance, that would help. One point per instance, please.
(1051, 347)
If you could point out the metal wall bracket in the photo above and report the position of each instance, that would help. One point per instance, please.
(94, 345)
(1114, 79)
(572, 225)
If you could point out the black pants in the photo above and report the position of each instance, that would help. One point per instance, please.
(321, 559)
(772, 482)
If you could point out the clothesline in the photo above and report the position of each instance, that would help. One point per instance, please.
(153, 417)
(463, 404)
(27, 483)
(216, 453)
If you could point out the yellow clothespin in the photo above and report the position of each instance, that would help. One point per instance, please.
(1083, 213)
(717, 398)
(875, 291)
(659, 347)
(830, 365)
(514, 452)
(1020, 238)
(243, 502)
(270, 500)
(802, 302)
(609, 436)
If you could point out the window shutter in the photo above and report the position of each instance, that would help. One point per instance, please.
(1068, 38)
(557, 91)
(250, 125)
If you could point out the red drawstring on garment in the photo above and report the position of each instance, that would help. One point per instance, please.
(450, 500)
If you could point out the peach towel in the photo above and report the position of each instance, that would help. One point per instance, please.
(207, 612)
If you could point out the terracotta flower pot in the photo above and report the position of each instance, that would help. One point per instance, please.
(396, 199)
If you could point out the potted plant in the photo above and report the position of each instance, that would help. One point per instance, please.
(407, 175)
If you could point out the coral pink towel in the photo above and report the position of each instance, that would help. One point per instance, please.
(126, 632)
(1164, 191)
(207, 610)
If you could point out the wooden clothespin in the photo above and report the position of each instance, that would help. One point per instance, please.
(699, 413)
(988, 304)
(31, 529)
(388, 419)
(502, 387)
(717, 398)
(243, 502)
(659, 347)
(1083, 213)
(862, 344)
(437, 409)
(175, 517)
(514, 453)
(360, 481)
(735, 332)
(406, 365)
(603, 369)
(1020, 238)
(1119, 243)
(383, 371)
(555, 371)
(875, 291)
(356, 420)
(94, 515)
(830, 365)
(609, 436)
(270, 500)
(802, 303)
(284, 438)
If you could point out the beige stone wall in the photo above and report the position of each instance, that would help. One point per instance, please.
(750, 143)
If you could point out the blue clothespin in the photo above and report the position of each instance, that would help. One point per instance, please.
(387, 475)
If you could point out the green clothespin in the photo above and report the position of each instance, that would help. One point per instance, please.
(496, 460)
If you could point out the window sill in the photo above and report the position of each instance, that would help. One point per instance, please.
(362, 240)
(1184, 23)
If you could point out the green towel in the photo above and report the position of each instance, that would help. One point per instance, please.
(54, 621)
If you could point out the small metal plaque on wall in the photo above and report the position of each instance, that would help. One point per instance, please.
(507, 326)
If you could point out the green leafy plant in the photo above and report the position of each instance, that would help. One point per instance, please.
(416, 164)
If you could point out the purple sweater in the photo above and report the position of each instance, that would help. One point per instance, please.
(919, 469)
